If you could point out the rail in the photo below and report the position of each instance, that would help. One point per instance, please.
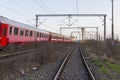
(87, 68)
(16, 53)
(90, 74)
(62, 65)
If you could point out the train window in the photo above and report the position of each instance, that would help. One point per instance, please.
(15, 31)
(37, 34)
(10, 31)
(21, 32)
(4, 32)
(40, 34)
(26, 33)
(31, 33)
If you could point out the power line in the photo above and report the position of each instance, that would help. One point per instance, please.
(46, 5)
(21, 7)
(40, 6)
(30, 22)
(14, 11)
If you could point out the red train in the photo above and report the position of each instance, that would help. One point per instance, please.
(12, 32)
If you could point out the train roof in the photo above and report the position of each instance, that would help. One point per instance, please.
(60, 35)
(18, 24)
(56, 34)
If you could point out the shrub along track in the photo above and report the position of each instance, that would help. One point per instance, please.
(105, 67)
(11, 65)
(23, 64)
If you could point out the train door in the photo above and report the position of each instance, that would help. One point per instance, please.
(4, 40)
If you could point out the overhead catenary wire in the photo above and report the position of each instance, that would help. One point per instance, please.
(46, 6)
(40, 23)
(30, 22)
(40, 6)
(12, 10)
(13, 2)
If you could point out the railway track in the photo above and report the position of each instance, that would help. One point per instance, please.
(88, 70)
(3, 56)
(12, 65)
(74, 67)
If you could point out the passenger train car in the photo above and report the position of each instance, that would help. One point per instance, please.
(59, 38)
(12, 32)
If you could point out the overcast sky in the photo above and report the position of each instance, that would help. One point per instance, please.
(24, 11)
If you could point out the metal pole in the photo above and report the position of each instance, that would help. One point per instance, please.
(79, 33)
(83, 31)
(112, 22)
(97, 33)
(71, 34)
(105, 29)
(36, 21)
(36, 27)
(97, 39)
(69, 21)
(60, 30)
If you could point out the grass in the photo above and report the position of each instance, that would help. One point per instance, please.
(105, 70)
(101, 66)
(97, 63)
(113, 66)
(107, 52)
